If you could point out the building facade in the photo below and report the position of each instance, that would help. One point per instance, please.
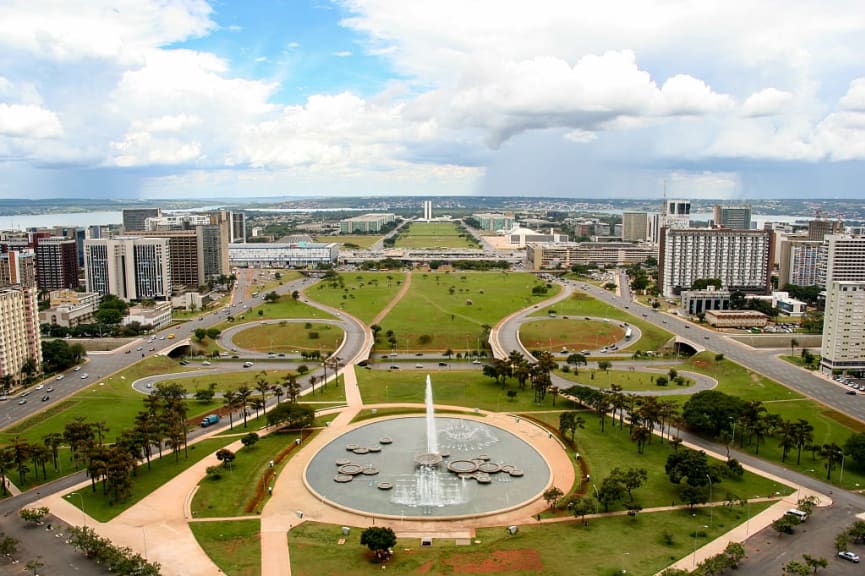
(741, 259)
(734, 217)
(843, 346)
(553, 255)
(799, 262)
(70, 308)
(818, 229)
(494, 222)
(157, 316)
(365, 224)
(238, 228)
(696, 302)
(20, 341)
(677, 214)
(283, 255)
(134, 219)
(129, 267)
(736, 318)
(427, 210)
(56, 263)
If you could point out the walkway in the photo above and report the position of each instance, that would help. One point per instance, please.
(399, 296)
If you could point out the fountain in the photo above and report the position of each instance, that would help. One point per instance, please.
(438, 466)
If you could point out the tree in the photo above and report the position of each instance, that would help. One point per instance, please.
(612, 489)
(34, 565)
(633, 478)
(249, 440)
(580, 507)
(833, 455)
(552, 495)
(689, 465)
(380, 540)
(231, 402)
(225, 456)
(8, 546)
(262, 386)
(710, 411)
(200, 334)
(786, 524)
(815, 562)
(793, 344)
(271, 297)
(291, 415)
(796, 568)
(33, 515)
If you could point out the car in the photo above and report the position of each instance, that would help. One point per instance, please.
(84, 376)
(40, 386)
(25, 394)
(394, 367)
(162, 337)
(206, 363)
(184, 362)
(59, 377)
(281, 354)
(76, 369)
(476, 361)
(367, 367)
(150, 385)
(22, 401)
(705, 337)
(50, 389)
(847, 555)
(139, 349)
(419, 354)
(151, 349)
(128, 351)
(686, 326)
(443, 364)
(248, 364)
(851, 392)
(418, 365)
(46, 398)
(271, 355)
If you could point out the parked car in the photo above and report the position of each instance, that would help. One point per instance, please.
(847, 555)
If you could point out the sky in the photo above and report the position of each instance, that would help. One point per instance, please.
(148, 99)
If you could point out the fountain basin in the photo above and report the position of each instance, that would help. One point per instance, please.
(463, 438)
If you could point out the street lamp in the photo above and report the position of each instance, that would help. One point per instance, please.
(710, 499)
(841, 479)
(83, 514)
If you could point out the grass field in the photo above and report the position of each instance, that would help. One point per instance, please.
(459, 388)
(605, 547)
(289, 336)
(576, 334)
(362, 241)
(581, 304)
(630, 381)
(433, 235)
(234, 494)
(452, 309)
(287, 307)
(99, 506)
(234, 546)
(361, 294)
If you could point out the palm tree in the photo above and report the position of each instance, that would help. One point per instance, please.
(147, 427)
(641, 435)
(804, 437)
(7, 460)
(257, 404)
(788, 438)
(312, 381)
(231, 403)
(793, 344)
(292, 388)
(832, 454)
(53, 440)
(262, 386)
(243, 394)
(277, 390)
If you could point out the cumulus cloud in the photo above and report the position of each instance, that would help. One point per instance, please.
(25, 121)
(342, 53)
(768, 102)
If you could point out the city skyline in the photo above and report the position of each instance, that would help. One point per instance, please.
(190, 99)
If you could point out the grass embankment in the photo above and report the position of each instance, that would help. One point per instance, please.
(434, 235)
(644, 544)
(450, 310)
(630, 381)
(458, 388)
(361, 294)
(581, 305)
(351, 241)
(555, 334)
(234, 546)
(289, 336)
(286, 307)
(242, 489)
(100, 506)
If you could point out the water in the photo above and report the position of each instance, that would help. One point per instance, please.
(432, 442)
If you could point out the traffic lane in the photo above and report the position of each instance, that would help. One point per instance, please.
(222, 367)
(768, 552)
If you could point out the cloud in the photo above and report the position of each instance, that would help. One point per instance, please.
(341, 54)
(767, 102)
(262, 59)
(24, 121)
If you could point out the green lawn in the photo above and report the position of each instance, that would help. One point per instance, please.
(289, 336)
(604, 548)
(630, 381)
(555, 334)
(433, 235)
(450, 310)
(581, 304)
(99, 506)
(235, 493)
(596, 447)
(361, 294)
(286, 307)
(460, 388)
(362, 241)
(234, 546)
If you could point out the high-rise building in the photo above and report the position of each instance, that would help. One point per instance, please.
(238, 228)
(737, 218)
(741, 259)
(799, 262)
(134, 218)
(129, 267)
(819, 228)
(56, 263)
(427, 210)
(20, 343)
(640, 227)
(842, 272)
(676, 214)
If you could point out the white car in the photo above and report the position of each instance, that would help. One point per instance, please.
(84, 376)
(476, 361)
(40, 386)
(76, 369)
(59, 377)
(847, 555)
(205, 363)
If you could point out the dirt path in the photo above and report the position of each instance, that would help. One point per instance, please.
(399, 295)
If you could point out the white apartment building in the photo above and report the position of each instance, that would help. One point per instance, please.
(741, 259)
(287, 255)
(157, 316)
(70, 308)
(799, 262)
(844, 318)
(677, 214)
(129, 267)
(19, 314)
(843, 327)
